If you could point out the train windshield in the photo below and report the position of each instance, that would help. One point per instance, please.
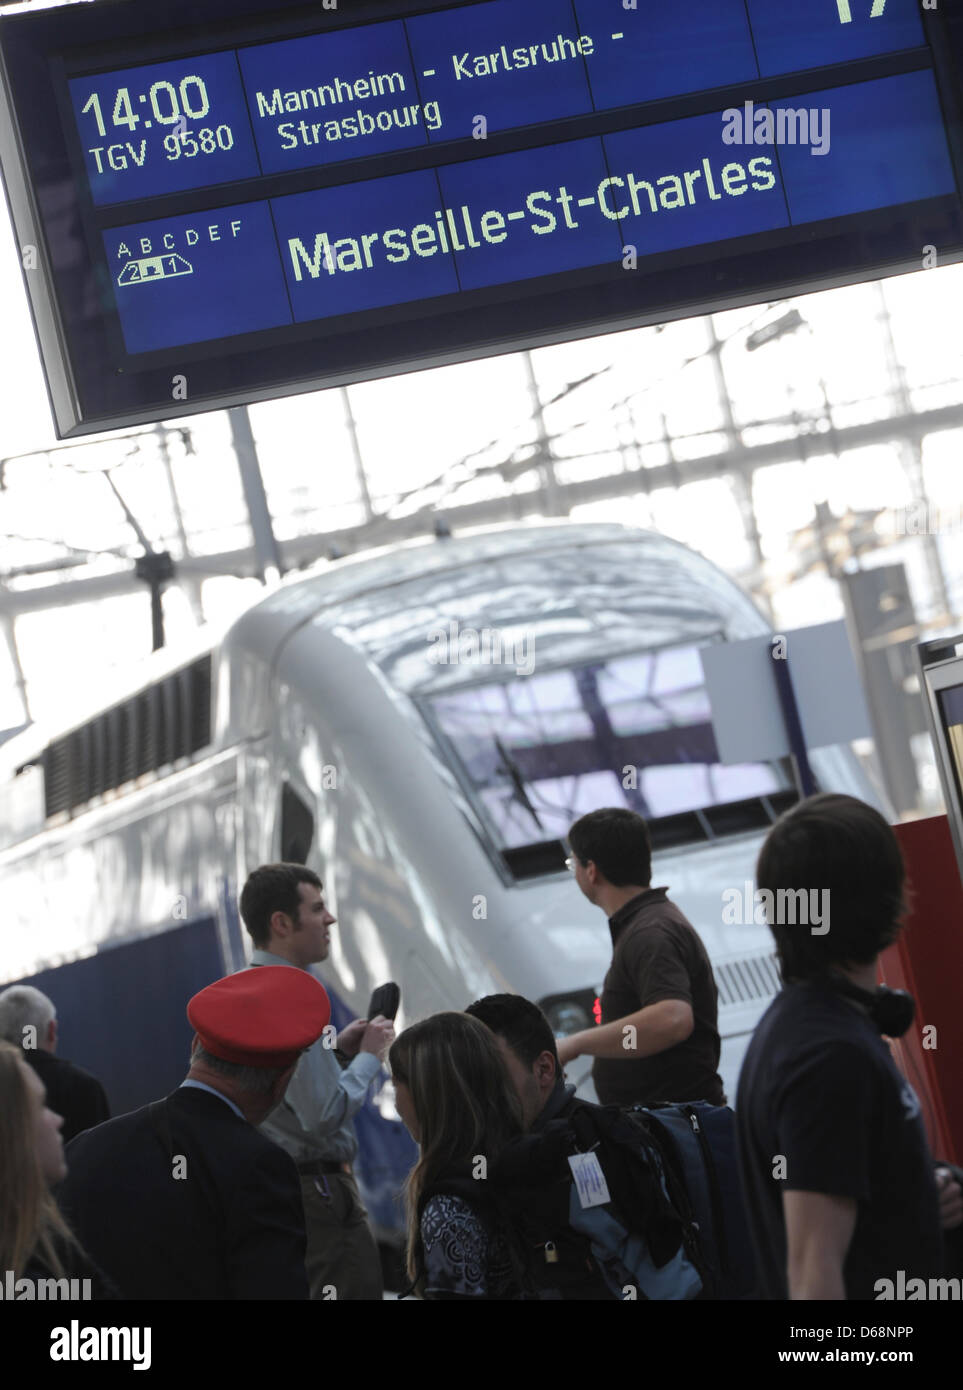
(631, 730)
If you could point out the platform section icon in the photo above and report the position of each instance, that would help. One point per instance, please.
(154, 268)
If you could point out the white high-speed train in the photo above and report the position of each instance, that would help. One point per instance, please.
(420, 725)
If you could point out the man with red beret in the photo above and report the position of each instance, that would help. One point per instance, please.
(185, 1198)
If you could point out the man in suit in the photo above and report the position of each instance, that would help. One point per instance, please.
(29, 1019)
(185, 1199)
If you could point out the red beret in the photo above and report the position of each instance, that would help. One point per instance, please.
(261, 1017)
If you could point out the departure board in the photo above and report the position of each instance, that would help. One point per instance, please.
(229, 205)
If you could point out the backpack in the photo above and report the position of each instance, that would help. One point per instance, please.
(697, 1142)
(625, 1240)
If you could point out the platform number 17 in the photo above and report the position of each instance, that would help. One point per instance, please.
(846, 14)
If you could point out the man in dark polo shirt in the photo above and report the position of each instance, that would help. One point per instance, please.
(658, 1039)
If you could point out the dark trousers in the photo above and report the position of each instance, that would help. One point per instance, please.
(342, 1258)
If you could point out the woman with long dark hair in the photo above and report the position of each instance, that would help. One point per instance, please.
(455, 1096)
(35, 1240)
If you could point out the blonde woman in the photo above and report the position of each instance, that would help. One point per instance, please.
(459, 1105)
(35, 1240)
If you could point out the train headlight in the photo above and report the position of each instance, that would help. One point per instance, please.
(569, 1014)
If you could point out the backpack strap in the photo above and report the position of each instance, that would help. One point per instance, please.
(715, 1193)
(584, 1128)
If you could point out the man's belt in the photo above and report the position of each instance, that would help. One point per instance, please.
(318, 1167)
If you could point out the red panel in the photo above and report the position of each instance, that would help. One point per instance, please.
(928, 961)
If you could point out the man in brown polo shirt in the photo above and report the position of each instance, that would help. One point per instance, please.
(658, 1038)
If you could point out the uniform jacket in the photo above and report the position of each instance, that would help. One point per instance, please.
(219, 1218)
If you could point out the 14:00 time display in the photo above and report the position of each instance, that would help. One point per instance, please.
(170, 106)
(181, 101)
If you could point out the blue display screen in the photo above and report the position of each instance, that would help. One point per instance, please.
(261, 198)
(164, 128)
(185, 279)
(869, 163)
(535, 213)
(333, 97)
(449, 75)
(378, 243)
(791, 35)
(510, 64)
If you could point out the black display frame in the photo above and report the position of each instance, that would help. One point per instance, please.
(95, 385)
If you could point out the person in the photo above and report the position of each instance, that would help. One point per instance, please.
(453, 1093)
(28, 1018)
(36, 1243)
(533, 1178)
(838, 1179)
(185, 1199)
(658, 1039)
(284, 911)
(528, 1049)
(527, 1045)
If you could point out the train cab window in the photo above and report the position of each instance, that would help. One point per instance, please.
(297, 827)
(634, 730)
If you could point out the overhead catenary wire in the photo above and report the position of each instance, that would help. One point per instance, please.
(442, 480)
